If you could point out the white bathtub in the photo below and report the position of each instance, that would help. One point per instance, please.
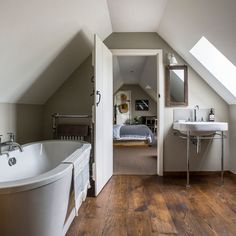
(35, 192)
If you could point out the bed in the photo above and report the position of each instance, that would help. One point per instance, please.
(133, 134)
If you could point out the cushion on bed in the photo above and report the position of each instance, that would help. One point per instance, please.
(116, 131)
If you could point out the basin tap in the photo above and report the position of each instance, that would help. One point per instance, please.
(196, 107)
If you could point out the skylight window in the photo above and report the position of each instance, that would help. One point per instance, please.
(216, 63)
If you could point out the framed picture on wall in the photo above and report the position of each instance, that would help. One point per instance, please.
(141, 105)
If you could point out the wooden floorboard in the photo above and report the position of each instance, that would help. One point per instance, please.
(158, 206)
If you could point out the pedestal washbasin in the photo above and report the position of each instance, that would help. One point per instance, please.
(198, 131)
(200, 128)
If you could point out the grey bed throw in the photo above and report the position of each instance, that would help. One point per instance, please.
(133, 132)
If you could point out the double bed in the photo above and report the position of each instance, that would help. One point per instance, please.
(133, 135)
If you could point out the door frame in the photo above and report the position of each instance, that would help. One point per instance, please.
(161, 93)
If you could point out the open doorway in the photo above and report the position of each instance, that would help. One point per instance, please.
(103, 109)
(135, 116)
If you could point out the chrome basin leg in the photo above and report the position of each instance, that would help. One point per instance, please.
(222, 157)
(188, 149)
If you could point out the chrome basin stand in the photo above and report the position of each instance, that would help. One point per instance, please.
(188, 150)
(188, 137)
(222, 157)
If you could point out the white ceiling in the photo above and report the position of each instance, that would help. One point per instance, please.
(43, 42)
(136, 15)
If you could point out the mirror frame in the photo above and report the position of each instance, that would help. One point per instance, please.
(169, 103)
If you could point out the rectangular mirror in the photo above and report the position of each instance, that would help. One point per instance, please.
(176, 85)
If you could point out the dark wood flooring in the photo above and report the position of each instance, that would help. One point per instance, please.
(151, 205)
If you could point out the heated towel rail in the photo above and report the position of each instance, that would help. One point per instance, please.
(72, 130)
(76, 127)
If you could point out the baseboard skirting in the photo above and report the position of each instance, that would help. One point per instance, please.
(183, 173)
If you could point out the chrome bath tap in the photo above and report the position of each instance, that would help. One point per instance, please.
(11, 144)
(12, 140)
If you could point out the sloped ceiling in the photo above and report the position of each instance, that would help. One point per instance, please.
(184, 22)
(131, 68)
(43, 42)
(181, 23)
(117, 77)
(139, 70)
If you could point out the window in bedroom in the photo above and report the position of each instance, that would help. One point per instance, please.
(216, 63)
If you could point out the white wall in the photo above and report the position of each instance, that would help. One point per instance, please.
(199, 93)
(25, 121)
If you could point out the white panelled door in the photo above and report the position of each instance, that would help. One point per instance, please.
(103, 148)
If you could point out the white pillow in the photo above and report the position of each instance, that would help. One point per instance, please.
(116, 131)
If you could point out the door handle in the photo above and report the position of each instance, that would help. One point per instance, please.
(99, 97)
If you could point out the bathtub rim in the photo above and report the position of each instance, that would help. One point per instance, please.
(45, 178)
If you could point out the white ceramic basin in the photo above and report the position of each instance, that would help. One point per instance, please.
(200, 128)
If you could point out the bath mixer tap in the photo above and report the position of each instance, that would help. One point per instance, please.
(14, 144)
(11, 139)
(9, 144)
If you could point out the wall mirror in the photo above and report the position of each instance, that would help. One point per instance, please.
(176, 85)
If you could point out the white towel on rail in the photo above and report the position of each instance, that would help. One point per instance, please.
(80, 161)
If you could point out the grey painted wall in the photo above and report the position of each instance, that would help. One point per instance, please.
(199, 93)
(73, 97)
(138, 93)
(232, 128)
(24, 120)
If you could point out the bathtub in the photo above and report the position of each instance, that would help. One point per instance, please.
(36, 193)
